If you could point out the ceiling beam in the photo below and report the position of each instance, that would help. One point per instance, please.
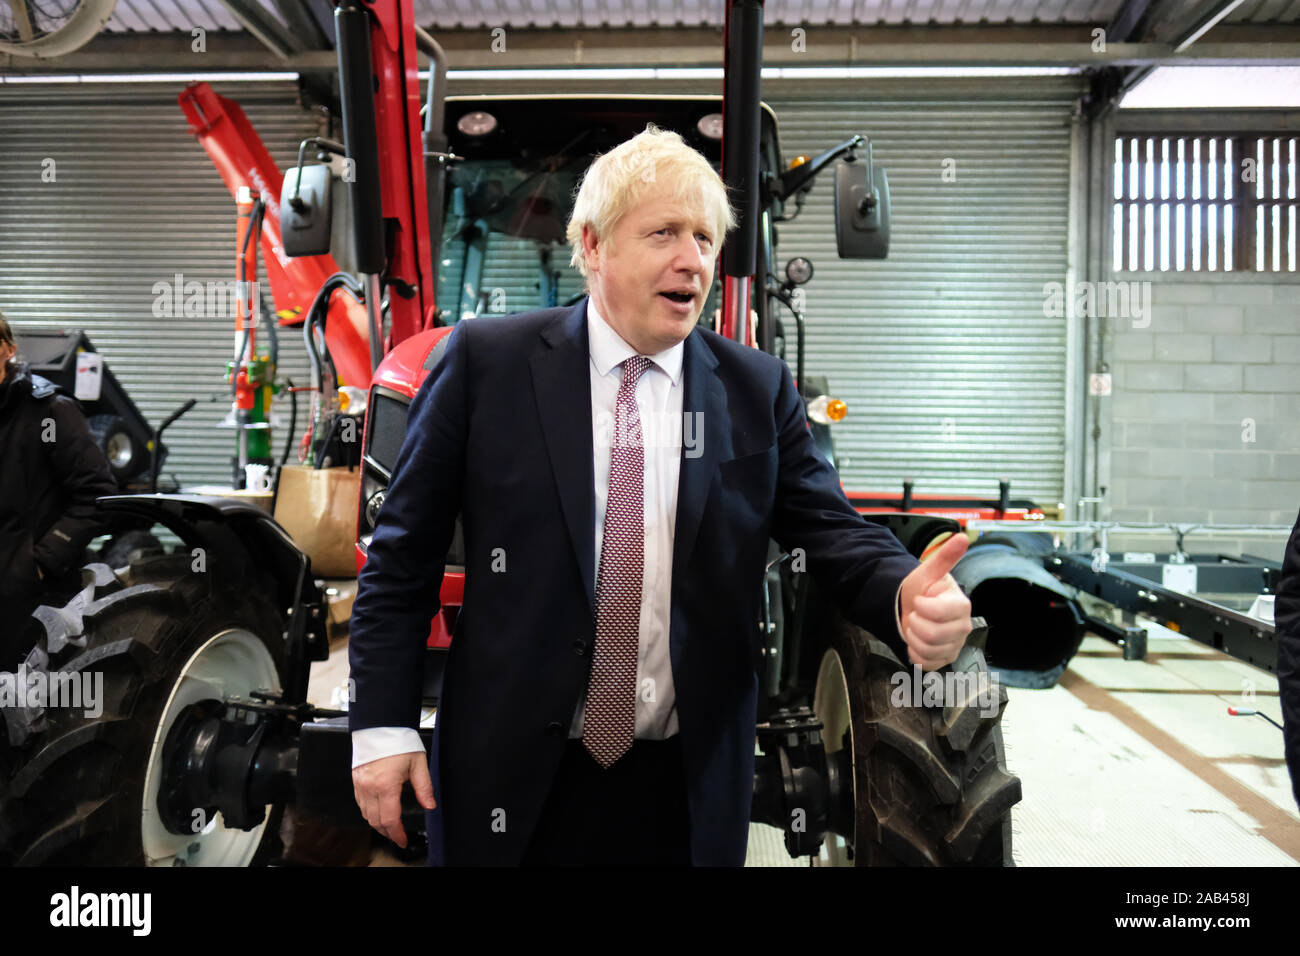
(1177, 25)
(322, 13)
(1132, 23)
(1201, 21)
(1124, 25)
(539, 49)
(302, 24)
(259, 21)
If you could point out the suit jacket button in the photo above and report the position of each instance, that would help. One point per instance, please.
(555, 728)
(580, 647)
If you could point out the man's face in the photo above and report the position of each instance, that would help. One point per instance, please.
(661, 246)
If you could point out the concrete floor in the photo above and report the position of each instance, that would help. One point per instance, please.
(1138, 763)
(1123, 763)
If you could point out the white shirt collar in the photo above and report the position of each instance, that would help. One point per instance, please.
(608, 349)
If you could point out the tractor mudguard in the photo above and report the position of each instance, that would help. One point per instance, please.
(221, 533)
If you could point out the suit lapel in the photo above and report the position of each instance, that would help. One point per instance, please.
(705, 406)
(562, 385)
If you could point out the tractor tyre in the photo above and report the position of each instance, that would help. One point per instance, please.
(79, 787)
(930, 782)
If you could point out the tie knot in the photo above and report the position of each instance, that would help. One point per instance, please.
(633, 368)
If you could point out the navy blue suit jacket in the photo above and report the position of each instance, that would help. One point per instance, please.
(501, 433)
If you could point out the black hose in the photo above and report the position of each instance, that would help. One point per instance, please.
(293, 426)
(288, 442)
(316, 314)
(157, 442)
(329, 433)
(239, 357)
(312, 355)
(327, 359)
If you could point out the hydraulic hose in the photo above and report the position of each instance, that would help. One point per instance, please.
(288, 441)
(293, 426)
(320, 358)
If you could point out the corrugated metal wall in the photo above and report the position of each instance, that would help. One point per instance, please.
(953, 374)
(135, 200)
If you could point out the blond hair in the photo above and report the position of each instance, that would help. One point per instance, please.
(615, 181)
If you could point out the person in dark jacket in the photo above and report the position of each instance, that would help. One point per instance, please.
(51, 472)
(1286, 616)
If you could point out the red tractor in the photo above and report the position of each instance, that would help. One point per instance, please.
(205, 739)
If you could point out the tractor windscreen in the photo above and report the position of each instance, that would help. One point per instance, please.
(510, 192)
(503, 246)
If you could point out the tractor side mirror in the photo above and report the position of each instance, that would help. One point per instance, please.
(305, 211)
(861, 209)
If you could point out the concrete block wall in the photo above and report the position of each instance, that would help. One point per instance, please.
(1205, 410)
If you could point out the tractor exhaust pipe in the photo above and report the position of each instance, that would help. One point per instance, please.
(357, 99)
(741, 91)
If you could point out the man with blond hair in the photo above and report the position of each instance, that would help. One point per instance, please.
(619, 472)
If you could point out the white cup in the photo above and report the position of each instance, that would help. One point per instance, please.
(257, 478)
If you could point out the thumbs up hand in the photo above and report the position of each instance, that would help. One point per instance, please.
(933, 611)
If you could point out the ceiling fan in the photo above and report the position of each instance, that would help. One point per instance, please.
(49, 28)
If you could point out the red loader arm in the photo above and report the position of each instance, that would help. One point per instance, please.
(242, 160)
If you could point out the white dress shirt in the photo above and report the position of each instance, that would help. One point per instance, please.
(659, 405)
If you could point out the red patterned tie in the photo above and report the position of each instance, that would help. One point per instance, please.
(610, 716)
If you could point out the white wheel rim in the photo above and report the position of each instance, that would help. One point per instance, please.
(234, 662)
(831, 705)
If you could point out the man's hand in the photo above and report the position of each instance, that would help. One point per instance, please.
(934, 612)
(378, 789)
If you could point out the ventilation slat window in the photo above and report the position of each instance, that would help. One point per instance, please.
(1199, 203)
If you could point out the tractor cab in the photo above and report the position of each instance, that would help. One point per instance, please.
(509, 193)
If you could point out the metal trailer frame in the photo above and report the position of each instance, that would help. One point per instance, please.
(1140, 587)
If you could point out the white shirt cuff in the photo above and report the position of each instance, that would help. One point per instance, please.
(374, 743)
